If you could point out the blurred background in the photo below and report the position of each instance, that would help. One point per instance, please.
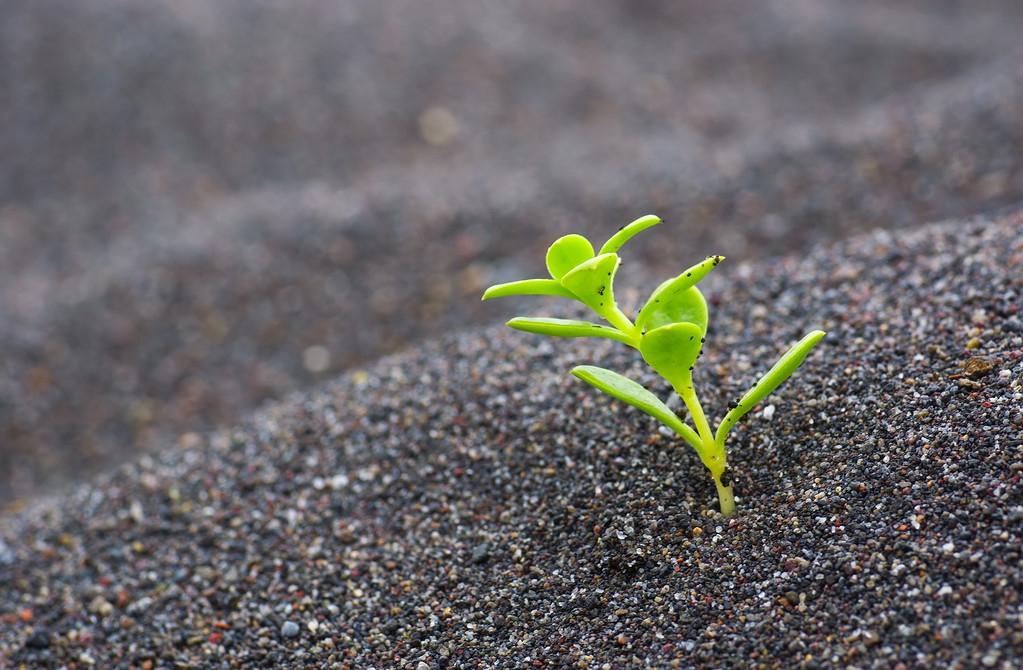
(206, 204)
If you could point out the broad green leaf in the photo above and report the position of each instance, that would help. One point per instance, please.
(566, 253)
(667, 293)
(633, 393)
(593, 282)
(672, 350)
(626, 233)
(686, 306)
(781, 371)
(528, 287)
(567, 328)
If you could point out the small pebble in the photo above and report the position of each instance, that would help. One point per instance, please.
(289, 629)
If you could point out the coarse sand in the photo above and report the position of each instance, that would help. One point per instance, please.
(468, 504)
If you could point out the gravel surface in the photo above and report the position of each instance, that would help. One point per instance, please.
(467, 504)
(207, 205)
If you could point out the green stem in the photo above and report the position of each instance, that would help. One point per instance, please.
(688, 396)
(712, 454)
(725, 498)
(616, 317)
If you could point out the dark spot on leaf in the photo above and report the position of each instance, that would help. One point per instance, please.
(726, 478)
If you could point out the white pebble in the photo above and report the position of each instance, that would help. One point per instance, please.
(769, 412)
(316, 358)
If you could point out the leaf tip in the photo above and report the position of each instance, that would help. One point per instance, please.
(582, 372)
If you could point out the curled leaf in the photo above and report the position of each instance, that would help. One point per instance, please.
(781, 371)
(672, 351)
(568, 328)
(626, 233)
(566, 253)
(688, 306)
(528, 287)
(592, 282)
(634, 394)
(667, 293)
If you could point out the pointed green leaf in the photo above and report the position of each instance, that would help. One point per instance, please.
(633, 393)
(672, 350)
(781, 371)
(686, 306)
(668, 292)
(566, 253)
(528, 287)
(593, 282)
(567, 328)
(626, 233)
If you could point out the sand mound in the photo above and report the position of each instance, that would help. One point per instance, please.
(467, 504)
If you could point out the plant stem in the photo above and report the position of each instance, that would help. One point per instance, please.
(713, 454)
(688, 396)
(616, 317)
(725, 497)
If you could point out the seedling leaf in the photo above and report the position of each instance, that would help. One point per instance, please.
(592, 282)
(672, 350)
(686, 306)
(633, 393)
(619, 239)
(781, 371)
(567, 328)
(528, 287)
(566, 253)
(667, 292)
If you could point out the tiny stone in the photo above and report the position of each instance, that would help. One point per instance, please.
(977, 366)
(289, 629)
(481, 553)
(39, 639)
(100, 606)
(316, 358)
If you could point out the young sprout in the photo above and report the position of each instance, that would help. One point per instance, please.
(668, 332)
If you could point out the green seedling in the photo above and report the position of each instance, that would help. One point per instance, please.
(669, 332)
